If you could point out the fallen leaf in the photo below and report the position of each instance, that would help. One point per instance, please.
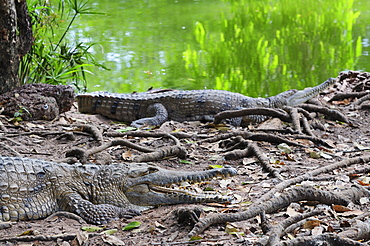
(225, 182)
(291, 212)
(289, 157)
(340, 208)
(343, 102)
(233, 230)
(91, 228)
(193, 238)
(26, 233)
(126, 129)
(127, 155)
(185, 162)
(352, 213)
(131, 225)
(157, 224)
(314, 154)
(283, 147)
(364, 200)
(359, 146)
(206, 209)
(326, 156)
(362, 183)
(216, 166)
(318, 230)
(109, 232)
(330, 229)
(311, 224)
(112, 240)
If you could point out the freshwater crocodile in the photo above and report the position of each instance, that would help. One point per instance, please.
(34, 189)
(154, 108)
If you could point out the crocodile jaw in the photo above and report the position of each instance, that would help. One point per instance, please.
(149, 190)
(149, 195)
(308, 93)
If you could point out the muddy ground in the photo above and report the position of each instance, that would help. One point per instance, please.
(52, 140)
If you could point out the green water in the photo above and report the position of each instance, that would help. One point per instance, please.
(255, 47)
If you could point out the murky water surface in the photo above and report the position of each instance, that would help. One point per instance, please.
(255, 47)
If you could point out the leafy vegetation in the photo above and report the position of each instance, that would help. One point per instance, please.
(54, 58)
(271, 45)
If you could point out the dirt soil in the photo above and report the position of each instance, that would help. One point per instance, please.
(159, 226)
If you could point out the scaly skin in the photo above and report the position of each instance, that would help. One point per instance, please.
(35, 189)
(154, 108)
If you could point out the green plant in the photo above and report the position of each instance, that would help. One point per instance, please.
(18, 115)
(269, 45)
(53, 58)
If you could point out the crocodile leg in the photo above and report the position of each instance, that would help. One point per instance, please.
(160, 116)
(95, 213)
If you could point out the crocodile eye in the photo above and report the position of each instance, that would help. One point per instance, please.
(152, 169)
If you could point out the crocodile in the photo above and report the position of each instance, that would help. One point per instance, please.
(34, 189)
(154, 108)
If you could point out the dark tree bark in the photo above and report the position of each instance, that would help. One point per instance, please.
(15, 40)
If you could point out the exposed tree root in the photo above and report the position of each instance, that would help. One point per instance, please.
(271, 138)
(358, 104)
(154, 134)
(93, 130)
(359, 232)
(328, 239)
(331, 114)
(83, 155)
(275, 232)
(270, 112)
(308, 175)
(253, 149)
(176, 150)
(294, 195)
(293, 112)
(258, 206)
(161, 153)
(313, 139)
(365, 106)
(342, 96)
(306, 126)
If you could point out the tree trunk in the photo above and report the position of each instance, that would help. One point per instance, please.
(15, 40)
